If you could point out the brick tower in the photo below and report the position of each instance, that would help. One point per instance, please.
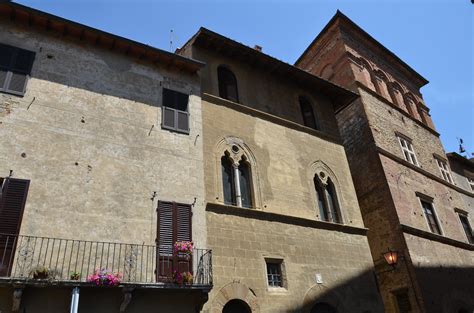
(408, 197)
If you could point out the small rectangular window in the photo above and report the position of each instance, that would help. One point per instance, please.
(430, 216)
(467, 227)
(15, 69)
(444, 170)
(403, 301)
(175, 111)
(274, 276)
(408, 151)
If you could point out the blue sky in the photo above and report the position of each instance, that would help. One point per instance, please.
(435, 37)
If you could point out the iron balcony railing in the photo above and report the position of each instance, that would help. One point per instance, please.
(67, 259)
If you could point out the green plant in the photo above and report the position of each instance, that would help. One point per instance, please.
(75, 275)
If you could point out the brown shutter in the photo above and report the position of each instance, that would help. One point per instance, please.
(15, 67)
(12, 204)
(174, 224)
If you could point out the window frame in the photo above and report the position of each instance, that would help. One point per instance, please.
(470, 182)
(323, 189)
(408, 149)
(305, 103)
(220, 83)
(444, 170)
(10, 70)
(176, 113)
(280, 264)
(426, 199)
(469, 237)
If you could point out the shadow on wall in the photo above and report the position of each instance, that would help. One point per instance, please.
(445, 290)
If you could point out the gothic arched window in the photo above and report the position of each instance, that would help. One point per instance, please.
(327, 199)
(227, 84)
(237, 182)
(309, 119)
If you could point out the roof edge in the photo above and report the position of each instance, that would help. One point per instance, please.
(343, 17)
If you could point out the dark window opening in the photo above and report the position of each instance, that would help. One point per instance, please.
(228, 180)
(309, 119)
(274, 274)
(467, 228)
(245, 184)
(15, 68)
(175, 111)
(403, 302)
(227, 84)
(431, 217)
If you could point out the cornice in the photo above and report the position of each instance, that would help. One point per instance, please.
(430, 236)
(422, 171)
(285, 219)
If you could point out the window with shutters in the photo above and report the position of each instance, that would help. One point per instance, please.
(227, 84)
(15, 69)
(175, 111)
(309, 118)
(407, 150)
(12, 203)
(430, 215)
(326, 196)
(466, 226)
(174, 224)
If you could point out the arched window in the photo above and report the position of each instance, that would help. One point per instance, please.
(227, 84)
(228, 180)
(236, 182)
(327, 199)
(309, 119)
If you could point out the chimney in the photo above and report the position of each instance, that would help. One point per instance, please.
(258, 48)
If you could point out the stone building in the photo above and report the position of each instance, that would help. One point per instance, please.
(98, 136)
(409, 200)
(283, 220)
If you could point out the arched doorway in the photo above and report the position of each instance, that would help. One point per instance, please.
(323, 307)
(236, 306)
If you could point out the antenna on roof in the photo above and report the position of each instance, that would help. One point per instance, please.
(171, 40)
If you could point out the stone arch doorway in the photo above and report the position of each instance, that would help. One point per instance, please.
(323, 307)
(236, 306)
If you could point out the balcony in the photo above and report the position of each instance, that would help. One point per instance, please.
(71, 262)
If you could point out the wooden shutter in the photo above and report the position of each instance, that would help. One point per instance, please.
(175, 114)
(12, 204)
(15, 68)
(174, 224)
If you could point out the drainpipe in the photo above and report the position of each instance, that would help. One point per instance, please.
(238, 196)
(75, 300)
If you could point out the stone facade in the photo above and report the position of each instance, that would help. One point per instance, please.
(284, 224)
(434, 270)
(88, 136)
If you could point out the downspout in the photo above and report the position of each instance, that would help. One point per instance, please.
(75, 300)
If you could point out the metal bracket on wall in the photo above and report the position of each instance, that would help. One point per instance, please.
(17, 293)
(127, 297)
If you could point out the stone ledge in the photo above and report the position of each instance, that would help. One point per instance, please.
(270, 117)
(427, 235)
(286, 219)
(19, 282)
(422, 171)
